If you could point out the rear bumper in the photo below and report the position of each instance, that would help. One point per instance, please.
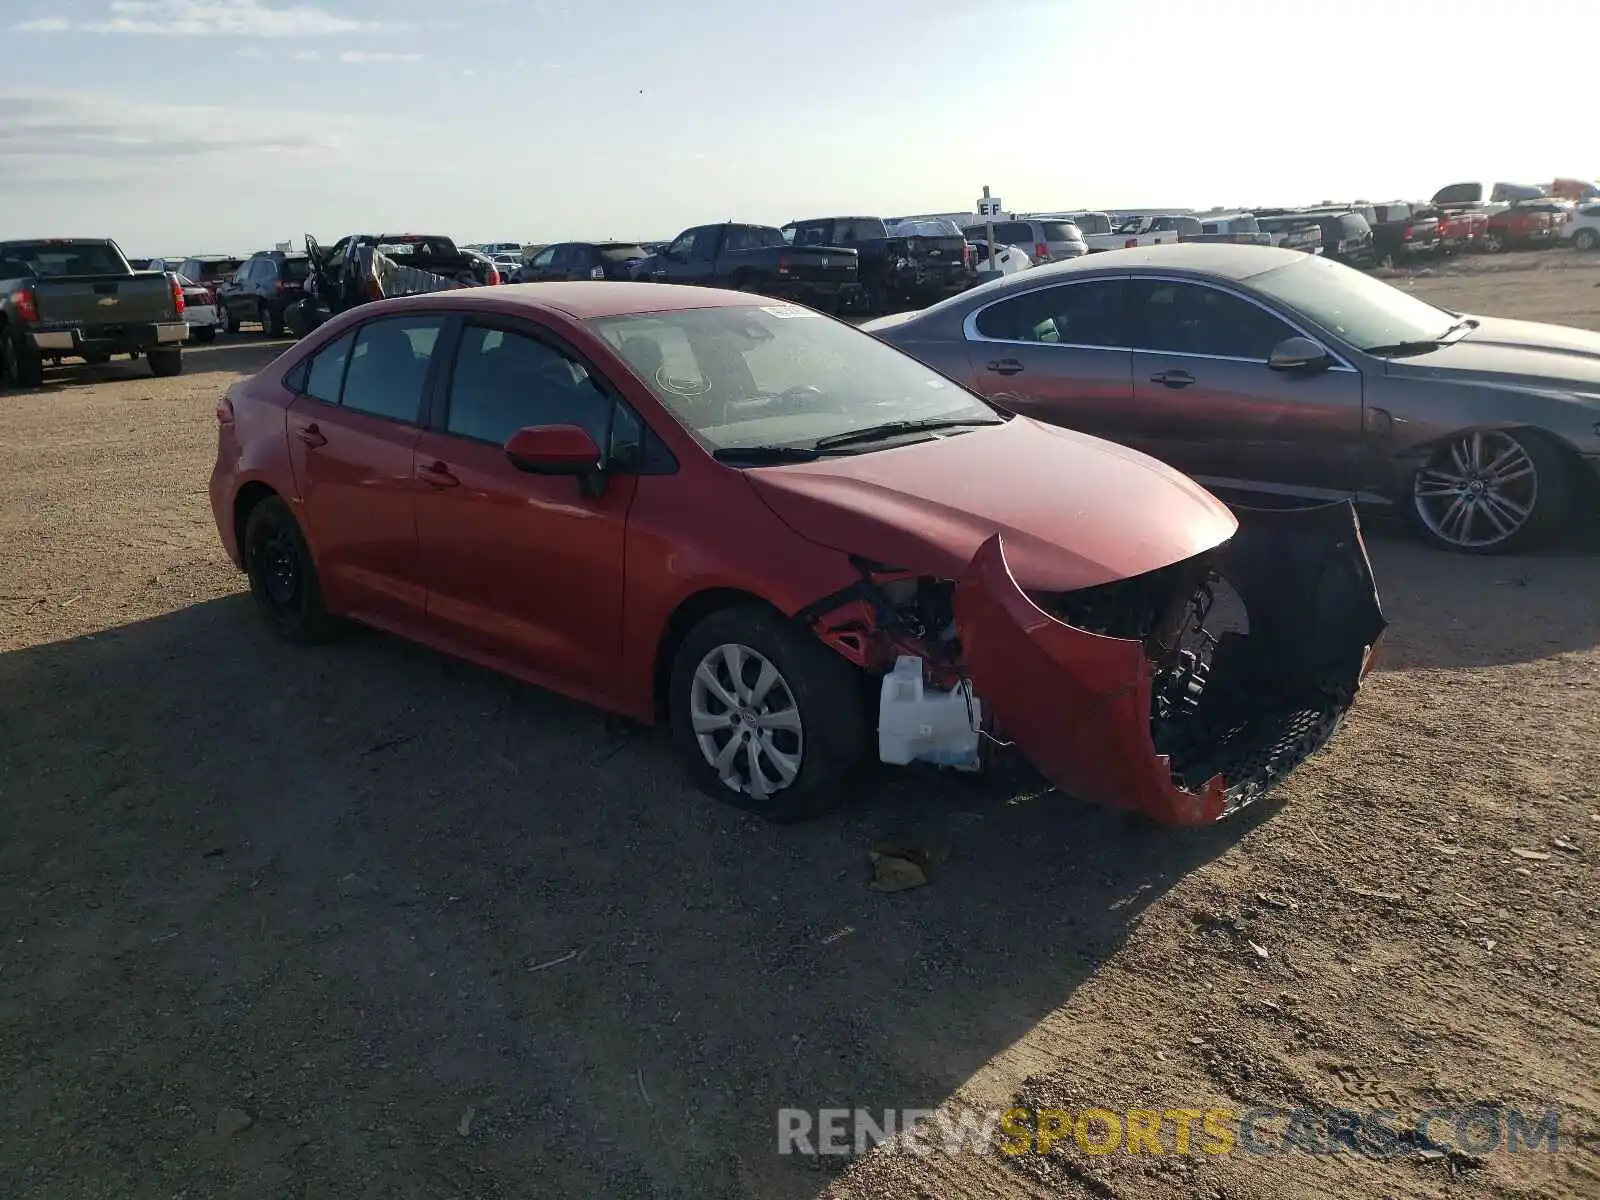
(108, 340)
(1180, 740)
(200, 315)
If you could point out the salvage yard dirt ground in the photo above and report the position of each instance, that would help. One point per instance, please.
(364, 922)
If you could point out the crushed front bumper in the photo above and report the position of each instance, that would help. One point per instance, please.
(1107, 719)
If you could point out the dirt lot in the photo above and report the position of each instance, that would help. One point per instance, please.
(318, 891)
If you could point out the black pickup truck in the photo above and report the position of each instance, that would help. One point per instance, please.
(896, 272)
(757, 258)
(1402, 232)
(79, 298)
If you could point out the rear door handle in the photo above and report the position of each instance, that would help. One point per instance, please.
(437, 474)
(1172, 379)
(311, 436)
(1004, 366)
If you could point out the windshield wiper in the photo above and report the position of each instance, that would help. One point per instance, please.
(760, 456)
(1423, 345)
(889, 429)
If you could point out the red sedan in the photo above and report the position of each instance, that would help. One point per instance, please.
(797, 545)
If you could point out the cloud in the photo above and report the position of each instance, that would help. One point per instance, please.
(377, 56)
(196, 18)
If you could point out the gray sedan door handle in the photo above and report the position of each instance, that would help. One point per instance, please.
(1172, 379)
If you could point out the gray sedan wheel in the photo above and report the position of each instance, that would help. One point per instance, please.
(1491, 492)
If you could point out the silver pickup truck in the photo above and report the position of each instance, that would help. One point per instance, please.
(78, 298)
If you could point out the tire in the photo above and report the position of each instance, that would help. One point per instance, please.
(1532, 492)
(272, 322)
(1493, 242)
(204, 333)
(20, 364)
(826, 741)
(283, 575)
(165, 361)
(1586, 239)
(263, 316)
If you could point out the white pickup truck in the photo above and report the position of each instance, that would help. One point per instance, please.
(1100, 232)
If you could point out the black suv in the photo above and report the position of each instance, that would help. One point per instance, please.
(263, 287)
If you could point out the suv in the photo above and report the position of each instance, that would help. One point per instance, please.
(261, 290)
(1042, 241)
(205, 270)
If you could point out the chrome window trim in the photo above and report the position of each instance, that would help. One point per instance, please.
(969, 325)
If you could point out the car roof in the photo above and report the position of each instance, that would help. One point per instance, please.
(1222, 260)
(584, 299)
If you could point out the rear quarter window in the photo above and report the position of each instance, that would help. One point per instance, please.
(1061, 231)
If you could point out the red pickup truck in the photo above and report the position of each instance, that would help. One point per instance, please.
(1524, 223)
(1460, 229)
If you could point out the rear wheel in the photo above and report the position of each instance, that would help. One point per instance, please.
(20, 364)
(224, 318)
(1494, 242)
(166, 361)
(204, 333)
(283, 577)
(1586, 239)
(1493, 492)
(766, 717)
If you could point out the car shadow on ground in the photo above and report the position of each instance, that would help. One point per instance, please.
(425, 924)
(1448, 610)
(242, 354)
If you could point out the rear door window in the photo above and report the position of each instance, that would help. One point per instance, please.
(389, 366)
(1091, 313)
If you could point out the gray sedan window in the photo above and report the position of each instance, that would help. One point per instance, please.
(1187, 318)
(1074, 314)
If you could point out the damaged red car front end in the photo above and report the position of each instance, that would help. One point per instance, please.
(1183, 693)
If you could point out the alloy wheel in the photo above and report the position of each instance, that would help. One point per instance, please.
(1479, 492)
(746, 721)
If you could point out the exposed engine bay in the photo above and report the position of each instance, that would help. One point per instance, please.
(1184, 693)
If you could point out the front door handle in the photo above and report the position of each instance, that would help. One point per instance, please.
(311, 436)
(1172, 379)
(437, 474)
(1004, 366)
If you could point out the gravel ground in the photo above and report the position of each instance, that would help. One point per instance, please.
(364, 922)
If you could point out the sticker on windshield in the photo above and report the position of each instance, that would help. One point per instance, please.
(783, 310)
(936, 383)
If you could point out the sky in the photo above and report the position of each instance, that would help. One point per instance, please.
(198, 126)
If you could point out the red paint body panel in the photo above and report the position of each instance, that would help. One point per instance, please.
(1064, 501)
(1077, 704)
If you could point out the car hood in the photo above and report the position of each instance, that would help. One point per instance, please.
(1075, 511)
(1514, 350)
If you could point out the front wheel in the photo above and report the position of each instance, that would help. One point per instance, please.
(225, 319)
(20, 364)
(766, 717)
(166, 361)
(283, 576)
(1494, 242)
(1492, 492)
(1586, 239)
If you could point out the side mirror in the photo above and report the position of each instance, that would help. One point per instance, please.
(1299, 354)
(553, 450)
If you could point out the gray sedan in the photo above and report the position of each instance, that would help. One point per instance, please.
(1272, 373)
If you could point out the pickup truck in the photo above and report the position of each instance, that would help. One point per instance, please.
(1239, 229)
(896, 271)
(1522, 223)
(1292, 231)
(1459, 228)
(757, 258)
(1101, 233)
(79, 298)
(1402, 232)
(347, 274)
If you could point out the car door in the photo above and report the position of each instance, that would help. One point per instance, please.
(542, 267)
(352, 431)
(1209, 404)
(1060, 353)
(691, 258)
(521, 568)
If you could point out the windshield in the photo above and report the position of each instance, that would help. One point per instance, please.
(295, 268)
(46, 259)
(1364, 311)
(778, 375)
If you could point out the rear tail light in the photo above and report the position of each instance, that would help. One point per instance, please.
(26, 304)
(1130, 243)
(177, 294)
(966, 254)
(784, 263)
(1407, 232)
(224, 411)
(1040, 251)
(494, 275)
